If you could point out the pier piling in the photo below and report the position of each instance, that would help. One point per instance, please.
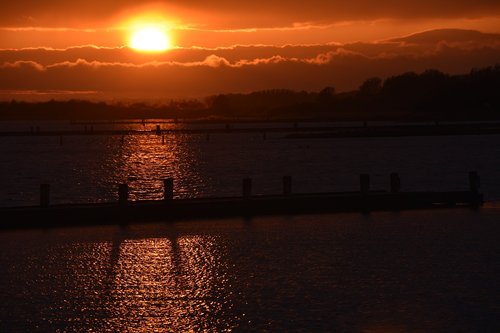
(247, 188)
(287, 185)
(158, 130)
(44, 195)
(364, 180)
(473, 181)
(123, 194)
(395, 183)
(168, 187)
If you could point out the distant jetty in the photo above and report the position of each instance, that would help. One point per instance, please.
(295, 130)
(169, 209)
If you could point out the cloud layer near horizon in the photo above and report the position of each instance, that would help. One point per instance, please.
(198, 72)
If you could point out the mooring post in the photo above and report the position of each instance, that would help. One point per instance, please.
(123, 194)
(247, 188)
(364, 180)
(474, 184)
(60, 140)
(473, 181)
(168, 188)
(158, 130)
(287, 185)
(395, 183)
(44, 195)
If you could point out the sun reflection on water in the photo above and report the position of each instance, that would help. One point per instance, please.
(170, 284)
(145, 160)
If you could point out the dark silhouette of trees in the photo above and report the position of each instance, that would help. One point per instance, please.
(370, 88)
(431, 95)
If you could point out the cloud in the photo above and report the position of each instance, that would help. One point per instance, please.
(228, 14)
(202, 72)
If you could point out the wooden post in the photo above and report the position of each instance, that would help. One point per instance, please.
(287, 185)
(364, 180)
(395, 183)
(247, 188)
(473, 181)
(474, 184)
(44, 195)
(163, 139)
(123, 194)
(168, 188)
(208, 137)
(264, 135)
(60, 140)
(158, 130)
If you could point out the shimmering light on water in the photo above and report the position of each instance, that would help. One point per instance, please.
(88, 168)
(413, 271)
(160, 284)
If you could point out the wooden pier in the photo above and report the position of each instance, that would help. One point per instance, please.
(169, 209)
(294, 131)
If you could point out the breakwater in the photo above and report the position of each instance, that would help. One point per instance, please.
(169, 209)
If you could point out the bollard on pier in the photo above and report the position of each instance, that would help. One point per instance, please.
(364, 180)
(168, 188)
(287, 185)
(247, 188)
(44, 195)
(473, 181)
(123, 194)
(395, 183)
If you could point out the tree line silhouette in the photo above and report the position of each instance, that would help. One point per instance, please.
(430, 95)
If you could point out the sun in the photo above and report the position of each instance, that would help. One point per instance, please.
(150, 39)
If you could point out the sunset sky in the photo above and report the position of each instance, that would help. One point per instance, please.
(86, 49)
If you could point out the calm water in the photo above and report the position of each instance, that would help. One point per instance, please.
(89, 168)
(414, 271)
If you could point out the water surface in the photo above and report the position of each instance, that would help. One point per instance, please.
(412, 271)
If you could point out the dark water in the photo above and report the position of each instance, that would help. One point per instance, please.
(413, 271)
(89, 168)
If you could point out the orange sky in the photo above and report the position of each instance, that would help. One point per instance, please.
(218, 46)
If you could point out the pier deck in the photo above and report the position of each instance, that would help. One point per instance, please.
(206, 208)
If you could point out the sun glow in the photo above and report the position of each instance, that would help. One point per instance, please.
(150, 39)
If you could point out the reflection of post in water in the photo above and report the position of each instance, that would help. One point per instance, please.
(176, 260)
(114, 257)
